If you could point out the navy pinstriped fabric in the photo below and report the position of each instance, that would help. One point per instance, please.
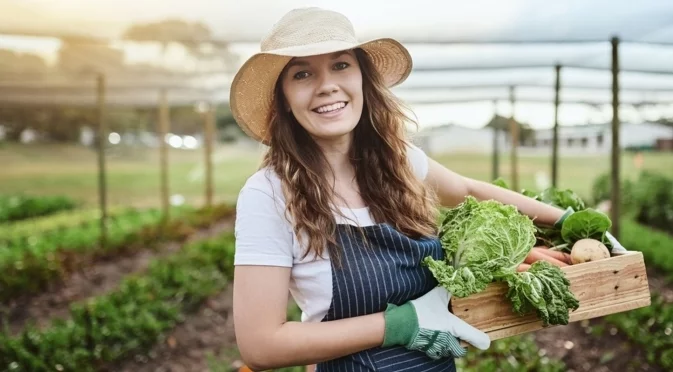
(388, 270)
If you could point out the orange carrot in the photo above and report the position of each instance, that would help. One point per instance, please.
(561, 256)
(523, 267)
(536, 255)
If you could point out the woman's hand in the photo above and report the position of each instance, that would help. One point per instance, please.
(426, 324)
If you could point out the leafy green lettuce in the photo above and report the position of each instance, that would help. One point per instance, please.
(485, 241)
(584, 223)
(544, 289)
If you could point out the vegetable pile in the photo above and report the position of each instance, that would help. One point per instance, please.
(487, 241)
(585, 223)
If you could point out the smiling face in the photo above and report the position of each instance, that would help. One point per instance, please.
(324, 93)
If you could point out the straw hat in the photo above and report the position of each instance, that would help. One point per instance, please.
(303, 32)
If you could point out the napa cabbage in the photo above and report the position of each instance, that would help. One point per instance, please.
(485, 241)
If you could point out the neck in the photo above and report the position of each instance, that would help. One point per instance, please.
(336, 154)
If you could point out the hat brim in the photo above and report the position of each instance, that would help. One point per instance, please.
(252, 89)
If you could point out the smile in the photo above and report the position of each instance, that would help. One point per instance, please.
(334, 107)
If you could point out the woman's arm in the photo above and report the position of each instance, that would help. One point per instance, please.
(267, 340)
(452, 189)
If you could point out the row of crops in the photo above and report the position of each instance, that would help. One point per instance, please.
(37, 253)
(41, 250)
(129, 320)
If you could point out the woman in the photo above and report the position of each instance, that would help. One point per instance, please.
(343, 209)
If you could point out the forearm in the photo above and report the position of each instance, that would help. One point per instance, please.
(297, 344)
(541, 213)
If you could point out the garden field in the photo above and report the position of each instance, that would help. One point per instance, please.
(134, 174)
(157, 296)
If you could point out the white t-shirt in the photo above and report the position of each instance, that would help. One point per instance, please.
(265, 237)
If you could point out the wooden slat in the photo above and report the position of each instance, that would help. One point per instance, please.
(602, 287)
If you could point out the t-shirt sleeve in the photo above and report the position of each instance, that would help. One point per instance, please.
(418, 160)
(263, 235)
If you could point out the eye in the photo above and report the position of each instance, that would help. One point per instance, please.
(341, 65)
(300, 75)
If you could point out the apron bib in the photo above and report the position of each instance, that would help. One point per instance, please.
(387, 270)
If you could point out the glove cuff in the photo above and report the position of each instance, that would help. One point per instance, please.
(565, 215)
(401, 325)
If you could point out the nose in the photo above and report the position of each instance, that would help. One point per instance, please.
(327, 84)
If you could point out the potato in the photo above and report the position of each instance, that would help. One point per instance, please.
(587, 250)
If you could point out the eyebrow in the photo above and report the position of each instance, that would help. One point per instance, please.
(295, 62)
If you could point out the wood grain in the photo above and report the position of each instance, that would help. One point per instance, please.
(603, 287)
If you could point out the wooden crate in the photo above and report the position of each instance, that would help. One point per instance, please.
(603, 287)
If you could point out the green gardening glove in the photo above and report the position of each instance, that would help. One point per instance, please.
(425, 324)
(559, 223)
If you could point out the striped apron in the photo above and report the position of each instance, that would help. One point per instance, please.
(387, 270)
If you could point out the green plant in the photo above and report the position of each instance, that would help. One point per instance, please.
(649, 198)
(20, 207)
(35, 227)
(32, 262)
(601, 191)
(129, 320)
(486, 241)
(650, 326)
(654, 195)
(512, 354)
(656, 246)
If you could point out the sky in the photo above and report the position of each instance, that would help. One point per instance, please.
(645, 20)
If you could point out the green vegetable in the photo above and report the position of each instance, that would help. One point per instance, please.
(562, 198)
(586, 224)
(485, 241)
(545, 289)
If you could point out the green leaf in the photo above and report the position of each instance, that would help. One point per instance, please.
(463, 281)
(562, 198)
(501, 182)
(585, 224)
(545, 289)
(531, 194)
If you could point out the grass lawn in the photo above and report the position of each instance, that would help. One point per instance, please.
(134, 175)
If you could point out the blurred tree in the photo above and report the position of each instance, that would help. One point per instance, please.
(526, 133)
(12, 62)
(195, 37)
(666, 121)
(171, 30)
(15, 121)
(85, 57)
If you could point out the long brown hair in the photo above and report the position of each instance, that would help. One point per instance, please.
(378, 154)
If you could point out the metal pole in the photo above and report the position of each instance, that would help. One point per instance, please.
(554, 155)
(163, 152)
(514, 133)
(102, 142)
(615, 202)
(496, 150)
(208, 147)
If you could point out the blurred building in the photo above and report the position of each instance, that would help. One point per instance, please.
(597, 138)
(580, 139)
(456, 138)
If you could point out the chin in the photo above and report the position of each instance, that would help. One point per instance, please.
(332, 131)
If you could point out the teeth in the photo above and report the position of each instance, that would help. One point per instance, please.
(332, 107)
